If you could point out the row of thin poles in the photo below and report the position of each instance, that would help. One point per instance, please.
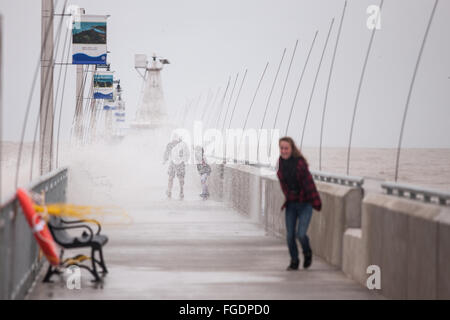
(47, 35)
(59, 98)
(218, 106)
(280, 101)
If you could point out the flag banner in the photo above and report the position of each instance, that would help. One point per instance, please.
(119, 114)
(89, 40)
(109, 106)
(104, 85)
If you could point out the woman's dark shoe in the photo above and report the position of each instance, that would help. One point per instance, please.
(293, 266)
(308, 260)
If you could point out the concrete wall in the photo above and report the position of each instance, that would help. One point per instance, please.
(241, 189)
(215, 181)
(408, 240)
(274, 218)
(443, 255)
(354, 260)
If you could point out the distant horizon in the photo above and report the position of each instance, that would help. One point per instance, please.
(305, 147)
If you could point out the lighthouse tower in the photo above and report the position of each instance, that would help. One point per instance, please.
(151, 111)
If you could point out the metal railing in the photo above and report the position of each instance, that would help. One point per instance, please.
(19, 254)
(351, 181)
(391, 188)
(416, 193)
(345, 180)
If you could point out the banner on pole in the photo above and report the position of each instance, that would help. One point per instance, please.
(103, 85)
(89, 40)
(109, 105)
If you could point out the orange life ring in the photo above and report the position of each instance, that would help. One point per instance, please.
(39, 228)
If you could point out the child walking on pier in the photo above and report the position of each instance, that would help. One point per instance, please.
(204, 169)
(301, 195)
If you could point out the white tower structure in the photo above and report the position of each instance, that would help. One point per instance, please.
(151, 111)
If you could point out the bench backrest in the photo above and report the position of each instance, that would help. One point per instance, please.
(61, 236)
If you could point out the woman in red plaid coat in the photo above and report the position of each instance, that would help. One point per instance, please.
(301, 198)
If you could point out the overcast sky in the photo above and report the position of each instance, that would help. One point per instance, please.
(207, 41)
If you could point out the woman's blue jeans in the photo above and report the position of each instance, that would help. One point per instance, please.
(301, 212)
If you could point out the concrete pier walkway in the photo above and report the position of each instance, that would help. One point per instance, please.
(194, 249)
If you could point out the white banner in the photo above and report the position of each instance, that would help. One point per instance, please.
(104, 85)
(89, 40)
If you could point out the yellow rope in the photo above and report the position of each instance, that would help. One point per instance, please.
(75, 260)
(81, 212)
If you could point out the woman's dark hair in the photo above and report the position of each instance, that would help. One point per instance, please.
(295, 151)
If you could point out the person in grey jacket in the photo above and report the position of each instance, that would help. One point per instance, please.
(177, 153)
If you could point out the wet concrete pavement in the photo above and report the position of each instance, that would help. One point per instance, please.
(194, 249)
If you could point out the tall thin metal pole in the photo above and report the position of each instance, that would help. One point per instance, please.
(252, 102)
(222, 102)
(330, 74)
(193, 110)
(199, 105)
(179, 112)
(46, 106)
(92, 120)
(225, 118)
(57, 91)
(268, 102)
(235, 104)
(237, 98)
(87, 114)
(358, 93)
(300, 81)
(229, 101)
(284, 86)
(212, 107)
(61, 108)
(28, 107)
(46, 82)
(79, 101)
(186, 110)
(80, 83)
(282, 93)
(315, 82)
(254, 96)
(194, 114)
(207, 103)
(46, 111)
(77, 127)
(411, 87)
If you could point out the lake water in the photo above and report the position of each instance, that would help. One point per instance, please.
(422, 167)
